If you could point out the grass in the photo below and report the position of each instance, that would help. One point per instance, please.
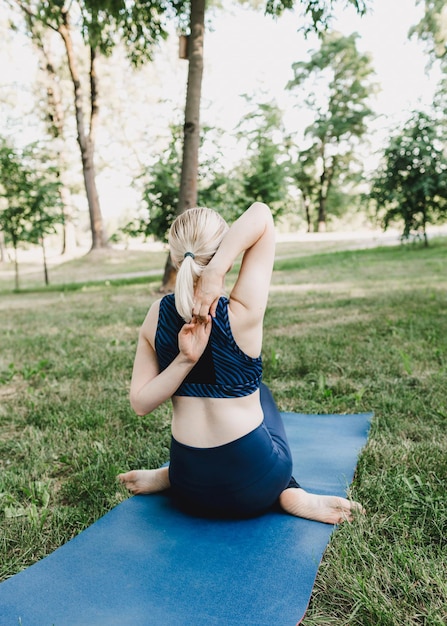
(346, 331)
(100, 266)
(116, 267)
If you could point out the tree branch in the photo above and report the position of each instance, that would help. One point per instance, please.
(30, 14)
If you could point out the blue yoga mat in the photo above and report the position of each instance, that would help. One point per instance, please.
(147, 563)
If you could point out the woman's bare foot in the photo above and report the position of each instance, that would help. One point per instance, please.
(327, 509)
(146, 481)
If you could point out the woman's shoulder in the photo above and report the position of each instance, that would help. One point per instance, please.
(155, 307)
(149, 325)
(167, 299)
(166, 302)
(164, 315)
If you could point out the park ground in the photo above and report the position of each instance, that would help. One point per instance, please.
(351, 327)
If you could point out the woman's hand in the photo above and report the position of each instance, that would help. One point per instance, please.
(208, 290)
(193, 338)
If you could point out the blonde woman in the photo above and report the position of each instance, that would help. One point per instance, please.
(229, 451)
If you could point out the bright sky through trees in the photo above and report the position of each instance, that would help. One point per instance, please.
(250, 53)
(245, 53)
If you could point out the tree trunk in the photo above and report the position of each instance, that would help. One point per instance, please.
(424, 228)
(86, 142)
(56, 118)
(326, 179)
(169, 276)
(191, 128)
(16, 267)
(44, 260)
(306, 204)
(65, 200)
(321, 219)
(321, 223)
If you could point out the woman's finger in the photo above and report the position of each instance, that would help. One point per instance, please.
(213, 307)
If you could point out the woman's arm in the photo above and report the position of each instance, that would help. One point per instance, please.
(252, 233)
(149, 387)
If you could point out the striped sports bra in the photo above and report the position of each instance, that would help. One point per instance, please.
(223, 370)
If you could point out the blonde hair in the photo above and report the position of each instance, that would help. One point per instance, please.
(194, 238)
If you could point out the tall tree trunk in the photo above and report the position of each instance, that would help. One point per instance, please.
(86, 141)
(56, 114)
(57, 125)
(191, 128)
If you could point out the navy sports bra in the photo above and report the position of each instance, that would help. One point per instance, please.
(223, 370)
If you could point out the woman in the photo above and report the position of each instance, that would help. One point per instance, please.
(229, 451)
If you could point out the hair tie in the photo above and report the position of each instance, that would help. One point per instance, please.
(189, 254)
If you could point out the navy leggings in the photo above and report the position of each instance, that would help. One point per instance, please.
(242, 478)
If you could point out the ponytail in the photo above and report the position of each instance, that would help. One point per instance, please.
(187, 275)
(194, 238)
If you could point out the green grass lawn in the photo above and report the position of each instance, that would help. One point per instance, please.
(346, 331)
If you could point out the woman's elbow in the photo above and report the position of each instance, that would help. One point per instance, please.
(136, 405)
(264, 211)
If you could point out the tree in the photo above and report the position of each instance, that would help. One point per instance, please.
(162, 182)
(317, 15)
(432, 29)
(411, 183)
(54, 115)
(191, 128)
(340, 109)
(160, 193)
(263, 173)
(15, 211)
(137, 23)
(31, 200)
(57, 17)
(303, 174)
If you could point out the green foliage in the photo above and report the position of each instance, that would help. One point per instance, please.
(263, 173)
(411, 183)
(302, 173)
(343, 74)
(316, 14)
(30, 192)
(431, 28)
(216, 188)
(261, 176)
(220, 192)
(105, 23)
(137, 24)
(14, 193)
(348, 87)
(160, 194)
